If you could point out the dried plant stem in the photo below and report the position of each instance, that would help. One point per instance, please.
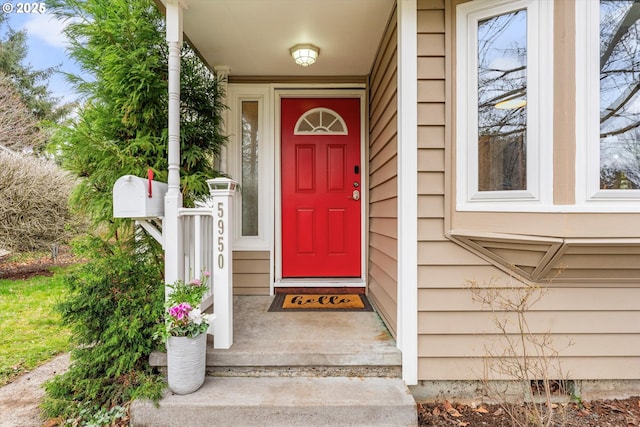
(524, 355)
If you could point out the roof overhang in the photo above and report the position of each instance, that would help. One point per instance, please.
(253, 37)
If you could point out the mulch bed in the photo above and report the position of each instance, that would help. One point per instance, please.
(597, 413)
(40, 266)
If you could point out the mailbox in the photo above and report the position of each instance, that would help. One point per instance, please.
(135, 197)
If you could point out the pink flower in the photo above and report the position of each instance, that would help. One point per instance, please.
(206, 274)
(196, 282)
(180, 311)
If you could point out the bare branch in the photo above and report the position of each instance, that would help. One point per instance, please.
(633, 14)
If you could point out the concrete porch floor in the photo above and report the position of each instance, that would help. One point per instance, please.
(293, 369)
(323, 343)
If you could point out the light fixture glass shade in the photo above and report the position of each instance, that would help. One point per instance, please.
(304, 54)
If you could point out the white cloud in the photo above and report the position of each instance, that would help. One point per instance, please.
(48, 29)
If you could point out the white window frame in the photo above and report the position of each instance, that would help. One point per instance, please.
(539, 194)
(237, 94)
(588, 193)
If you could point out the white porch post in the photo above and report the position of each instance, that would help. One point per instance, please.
(173, 263)
(408, 189)
(222, 191)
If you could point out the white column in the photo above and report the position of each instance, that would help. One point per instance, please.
(408, 189)
(222, 191)
(222, 72)
(173, 262)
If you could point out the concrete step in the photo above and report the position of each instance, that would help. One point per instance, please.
(359, 361)
(280, 401)
(303, 344)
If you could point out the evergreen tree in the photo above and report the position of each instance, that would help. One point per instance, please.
(32, 85)
(120, 129)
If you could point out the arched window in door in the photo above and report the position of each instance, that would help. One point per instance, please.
(321, 120)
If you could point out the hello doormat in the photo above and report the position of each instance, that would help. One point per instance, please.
(320, 302)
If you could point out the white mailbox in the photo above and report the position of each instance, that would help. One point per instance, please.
(135, 197)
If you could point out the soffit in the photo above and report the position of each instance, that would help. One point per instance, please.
(253, 37)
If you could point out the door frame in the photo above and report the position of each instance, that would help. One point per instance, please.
(350, 91)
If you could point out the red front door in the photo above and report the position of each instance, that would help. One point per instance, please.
(321, 187)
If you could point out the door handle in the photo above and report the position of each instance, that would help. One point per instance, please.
(355, 195)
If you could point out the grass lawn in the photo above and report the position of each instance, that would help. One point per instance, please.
(30, 329)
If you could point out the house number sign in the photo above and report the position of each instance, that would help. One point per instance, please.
(221, 235)
(222, 190)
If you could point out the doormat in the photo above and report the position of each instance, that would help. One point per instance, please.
(320, 302)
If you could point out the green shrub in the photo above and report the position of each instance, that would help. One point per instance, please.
(114, 308)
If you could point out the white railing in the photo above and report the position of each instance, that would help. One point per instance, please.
(197, 228)
(205, 237)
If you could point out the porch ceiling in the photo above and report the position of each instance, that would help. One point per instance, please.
(253, 37)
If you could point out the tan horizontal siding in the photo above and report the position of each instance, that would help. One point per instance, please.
(383, 179)
(384, 173)
(384, 158)
(431, 206)
(384, 251)
(431, 160)
(431, 68)
(250, 266)
(384, 209)
(444, 277)
(625, 250)
(431, 20)
(383, 267)
(431, 44)
(431, 183)
(384, 133)
(567, 345)
(385, 191)
(556, 299)
(433, 247)
(251, 273)
(431, 229)
(570, 322)
(431, 91)
(430, 4)
(611, 261)
(381, 297)
(431, 114)
(384, 226)
(576, 368)
(594, 321)
(380, 118)
(431, 137)
(595, 277)
(591, 307)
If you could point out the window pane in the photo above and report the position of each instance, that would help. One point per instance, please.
(250, 136)
(502, 98)
(619, 94)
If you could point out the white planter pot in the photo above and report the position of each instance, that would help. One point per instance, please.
(186, 363)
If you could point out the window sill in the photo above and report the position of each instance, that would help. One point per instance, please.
(592, 206)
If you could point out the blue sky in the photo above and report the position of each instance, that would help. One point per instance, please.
(46, 48)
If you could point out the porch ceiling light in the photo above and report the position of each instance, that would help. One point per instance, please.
(304, 54)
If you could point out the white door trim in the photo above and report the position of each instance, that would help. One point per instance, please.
(317, 91)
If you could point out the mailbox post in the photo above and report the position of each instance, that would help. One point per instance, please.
(222, 191)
